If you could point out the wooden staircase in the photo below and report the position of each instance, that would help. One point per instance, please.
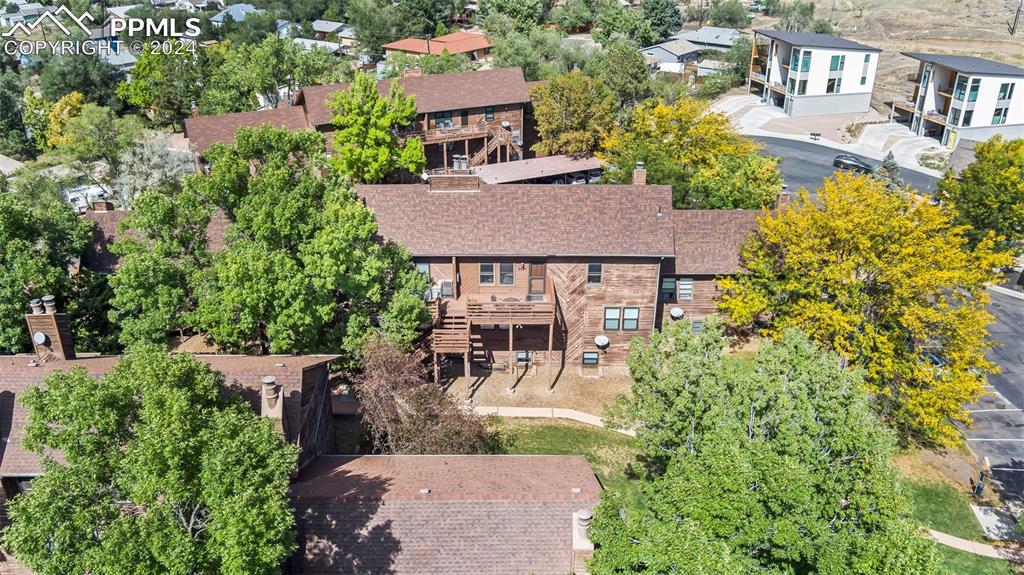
(451, 335)
(498, 137)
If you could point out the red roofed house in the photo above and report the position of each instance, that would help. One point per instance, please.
(474, 46)
(477, 115)
(558, 275)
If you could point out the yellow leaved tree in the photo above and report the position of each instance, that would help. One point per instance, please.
(62, 111)
(887, 280)
(698, 152)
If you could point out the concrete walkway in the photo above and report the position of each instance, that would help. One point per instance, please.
(976, 548)
(550, 413)
(751, 116)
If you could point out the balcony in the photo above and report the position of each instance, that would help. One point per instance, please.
(935, 117)
(510, 311)
(447, 134)
(947, 91)
(905, 105)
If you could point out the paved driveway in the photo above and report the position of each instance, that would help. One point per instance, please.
(998, 431)
(806, 164)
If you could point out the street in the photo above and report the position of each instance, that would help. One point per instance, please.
(806, 164)
(998, 431)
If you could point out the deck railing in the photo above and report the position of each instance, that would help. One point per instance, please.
(523, 312)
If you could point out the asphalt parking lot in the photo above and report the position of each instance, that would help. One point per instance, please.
(998, 431)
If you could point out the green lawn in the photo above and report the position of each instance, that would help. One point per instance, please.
(610, 454)
(955, 562)
(941, 507)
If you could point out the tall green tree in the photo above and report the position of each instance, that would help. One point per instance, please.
(989, 194)
(729, 14)
(88, 75)
(421, 18)
(769, 465)
(39, 237)
(664, 17)
(96, 133)
(626, 75)
(13, 139)
(163, 471)
(616, 22)
(366, 145)
(375, 22)
(167, 84)
(573, 112)
(524, 14)
(888, 282)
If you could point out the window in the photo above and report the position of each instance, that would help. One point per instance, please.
(805, 61)
(611, 318)
(443, 119)
(802, 89)
(507, 274)
(523, 357)
(999, 117)
(423, 268)
(668, 289)
(973, 95)
(833, 86)
(1005, 91)
(967, 117)
(961, 88)
(837, 64)
(794, 58)
(590, 357)
(697, 326)
(954, 117)
(489, 113)
(863, 80)
(630, 318)
(486, 274)
(685, 289)
(792, 85)
(594, 273)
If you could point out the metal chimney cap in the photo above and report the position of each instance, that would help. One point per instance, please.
(269, 380)
(585, 514)
(601, 341)
(48, 298)
(39, 338)
(676, 312)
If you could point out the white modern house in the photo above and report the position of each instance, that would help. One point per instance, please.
(809, 74)
(963, 97)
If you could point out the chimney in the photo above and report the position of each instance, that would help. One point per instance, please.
(639, 175)
(194, 109)
(51, 334)
(412, 72)
(272, 404)
(783, 199)
(582, 546)
(102, 206)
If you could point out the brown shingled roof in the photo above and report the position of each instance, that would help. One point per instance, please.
(242, 373)
(204, 131)
(709, 241)
(434, 93)
(526, 219)
(482, 515)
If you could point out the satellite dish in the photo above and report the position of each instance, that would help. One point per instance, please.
(676, 313)
(601, 341)
(39, 338)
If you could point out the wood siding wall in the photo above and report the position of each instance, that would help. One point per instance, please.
(316, 434)
(705, 296)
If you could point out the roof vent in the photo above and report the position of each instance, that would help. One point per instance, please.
(601, 341)
(424, 491)
(676, 313)
(577, 490)
(39, 338)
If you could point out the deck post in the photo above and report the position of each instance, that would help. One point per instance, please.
(444, 154)
(486, 155)
(551, 364)
(437, 370)
(511, 362)
(469, 377)
(466, 142)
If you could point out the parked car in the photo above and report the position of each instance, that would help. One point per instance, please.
(852, 163)
(594, 176)
(576, 178)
